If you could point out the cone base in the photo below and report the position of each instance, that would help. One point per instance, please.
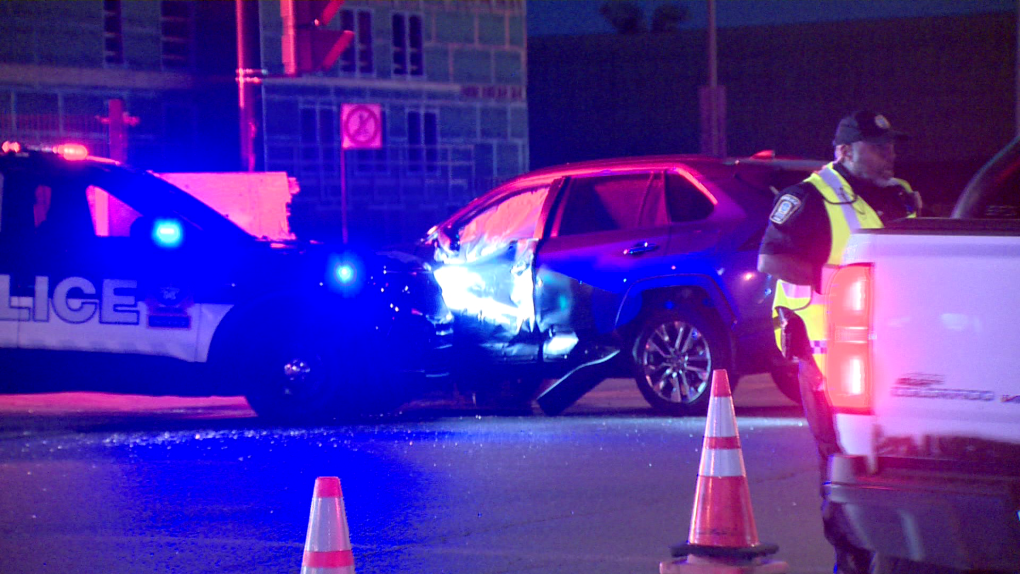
(724, 552)
(699, 565)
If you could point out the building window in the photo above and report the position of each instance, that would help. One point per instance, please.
(422, 141)
(319, 135)
(175, 33)
(113, 37)
(358, 57)
(407, 44)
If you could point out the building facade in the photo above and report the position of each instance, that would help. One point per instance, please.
(62, 62)
(450, 78)
(448, 75)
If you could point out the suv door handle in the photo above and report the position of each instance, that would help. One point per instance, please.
(639, 248)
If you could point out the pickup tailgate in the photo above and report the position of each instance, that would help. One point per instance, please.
(946, 335)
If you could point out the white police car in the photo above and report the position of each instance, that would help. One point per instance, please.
(112, 279)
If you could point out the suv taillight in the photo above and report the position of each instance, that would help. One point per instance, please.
(848, 361)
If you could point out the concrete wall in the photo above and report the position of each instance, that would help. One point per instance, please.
(949, 82)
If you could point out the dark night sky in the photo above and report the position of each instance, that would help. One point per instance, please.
(550, 17)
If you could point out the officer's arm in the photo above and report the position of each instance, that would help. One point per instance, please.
(788, 268)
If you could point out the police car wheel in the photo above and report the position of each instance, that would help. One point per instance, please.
(674, 354)
(294, 378)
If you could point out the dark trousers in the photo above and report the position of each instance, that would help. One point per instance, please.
(849, 558)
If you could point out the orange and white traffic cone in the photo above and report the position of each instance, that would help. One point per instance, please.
(723, 536)
(328, 543)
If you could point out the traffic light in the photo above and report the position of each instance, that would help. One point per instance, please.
(307, 45)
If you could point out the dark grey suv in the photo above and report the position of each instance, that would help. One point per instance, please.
(643, 267)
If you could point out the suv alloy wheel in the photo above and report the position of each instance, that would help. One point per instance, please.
(674, 355)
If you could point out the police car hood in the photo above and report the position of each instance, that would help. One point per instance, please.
(355, 272)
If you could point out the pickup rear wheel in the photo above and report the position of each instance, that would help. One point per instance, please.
(674, 354)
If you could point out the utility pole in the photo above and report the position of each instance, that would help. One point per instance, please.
(249, 81)
(713, 98)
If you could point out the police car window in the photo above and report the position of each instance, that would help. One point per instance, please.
(512, 219)
(42, 198)
(604, 203)
(61, 211)
(17, 207)
(686, 202)
(111, 217)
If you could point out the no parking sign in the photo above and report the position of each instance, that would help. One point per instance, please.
(361, 126)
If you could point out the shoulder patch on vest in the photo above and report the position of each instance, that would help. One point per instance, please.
(785, 207)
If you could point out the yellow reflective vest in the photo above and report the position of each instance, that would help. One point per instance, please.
(847, 211)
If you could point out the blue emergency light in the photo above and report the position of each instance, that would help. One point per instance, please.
(345, 273)
(167, 233)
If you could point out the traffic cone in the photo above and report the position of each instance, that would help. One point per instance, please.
(723, 536)
(328, 543)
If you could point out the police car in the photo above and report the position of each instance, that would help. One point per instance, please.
(112, 279)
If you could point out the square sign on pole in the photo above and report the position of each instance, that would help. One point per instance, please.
(361, 126)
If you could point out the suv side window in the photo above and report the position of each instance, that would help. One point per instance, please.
(499, 225)
(605, 203)
(685, 201)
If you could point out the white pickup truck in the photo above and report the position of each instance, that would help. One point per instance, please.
(923, 383)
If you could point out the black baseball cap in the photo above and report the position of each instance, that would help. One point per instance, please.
(866, 126)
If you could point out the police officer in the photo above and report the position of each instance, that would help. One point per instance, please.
(808, 229)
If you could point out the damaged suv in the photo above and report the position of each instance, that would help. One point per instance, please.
(641, 267)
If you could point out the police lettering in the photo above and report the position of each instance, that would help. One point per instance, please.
(74, 300)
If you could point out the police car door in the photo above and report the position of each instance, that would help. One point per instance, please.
(93, 287)
(16, 208)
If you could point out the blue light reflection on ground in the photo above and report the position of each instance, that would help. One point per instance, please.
(405, 483)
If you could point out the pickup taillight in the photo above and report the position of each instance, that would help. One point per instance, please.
(848, 361)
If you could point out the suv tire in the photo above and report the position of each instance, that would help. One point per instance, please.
(674, 354)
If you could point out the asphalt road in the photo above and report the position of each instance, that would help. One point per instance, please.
(99, 483)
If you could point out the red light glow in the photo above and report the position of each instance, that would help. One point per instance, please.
(848, 364)
(11, 147)
(72, 151)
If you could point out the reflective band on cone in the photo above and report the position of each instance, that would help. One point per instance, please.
(723, 536)
(328, 543)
